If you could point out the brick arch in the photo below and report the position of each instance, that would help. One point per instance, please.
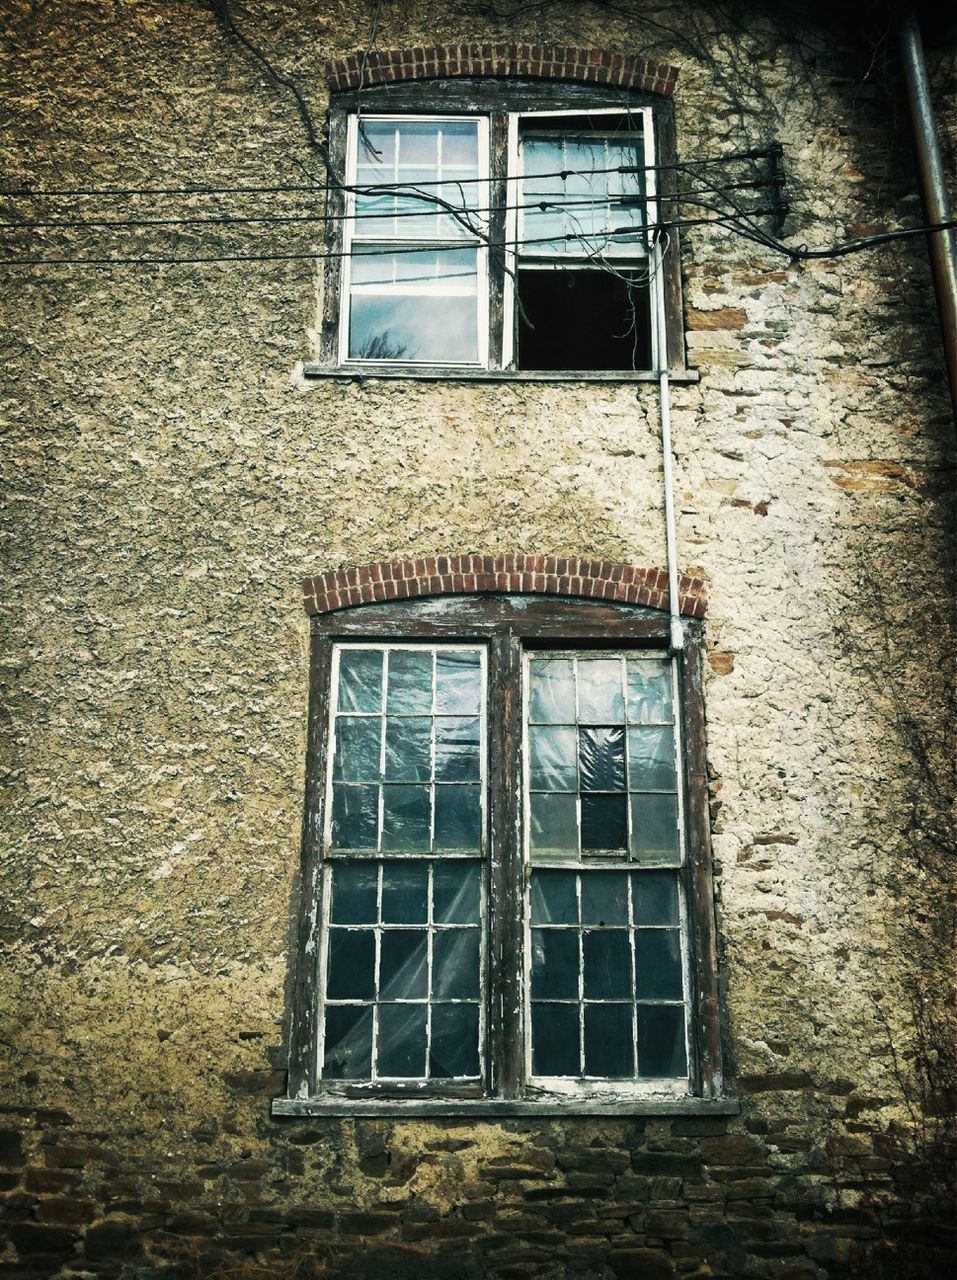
(528, 61)
(471, 574)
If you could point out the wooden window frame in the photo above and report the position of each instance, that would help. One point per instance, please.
(503, 103)
(510, 626)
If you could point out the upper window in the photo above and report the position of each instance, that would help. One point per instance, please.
(521, 236)
(508, 879)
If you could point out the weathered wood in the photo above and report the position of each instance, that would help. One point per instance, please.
(491, 1107)
(437, 373)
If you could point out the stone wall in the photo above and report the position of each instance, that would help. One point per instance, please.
(172, 478)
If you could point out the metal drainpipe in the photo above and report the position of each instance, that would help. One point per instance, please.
(941, 245)
(671, 540)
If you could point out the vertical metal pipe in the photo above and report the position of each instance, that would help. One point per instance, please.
(942, 245)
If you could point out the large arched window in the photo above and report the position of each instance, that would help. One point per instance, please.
(506, 883)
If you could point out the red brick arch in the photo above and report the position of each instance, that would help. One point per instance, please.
(530, 61)
(471, 574)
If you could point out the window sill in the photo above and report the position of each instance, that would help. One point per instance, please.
(350, 373)
(494, 1107)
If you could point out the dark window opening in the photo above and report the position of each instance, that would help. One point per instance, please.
(582, 319)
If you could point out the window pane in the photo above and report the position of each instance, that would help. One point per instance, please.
(656, 898)
(401, 1045)
(604, 822)
(609, 1050)
(554, 826)
(351, 964)
(455, 964)
(553, 758)
(408, 749)
(601, 759)
(355, 817)
(600, 699)
(403, 966)
(457, 749)
(458, 817)
(551, 695)
(555, 1032)
(651, 759)
(458, 683)
(649, 691)
(405, 893)
(555, 964)
(554, 897)
(430, 328)
(661, 1041)
(354, 893)
(658, 964)
(456, 893)
(360, 680)
(604, 898)
(607, 967)
(410, 681)
(654, 828)
(357, 746)
(455, 1033)
(348, 1042)
(405, 818)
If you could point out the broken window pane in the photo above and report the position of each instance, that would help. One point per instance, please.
(601, 757)
(604, 822)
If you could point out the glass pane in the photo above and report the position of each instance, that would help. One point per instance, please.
(360, 679)
(458, 684)
(455, 964)
(458, 817)
(661, 1041)
(555, 964)
(457, 749)
(553, 758)
(351, 964)
(354, 892)
(554, 897)
(403, 964)
(357, 747)
(649, 692)
(408, 749)
(604, 898)
(601, 759)
(551, 695)
(658, 964)
(401, 1044)
(654, 828)
(355, 816)
(455, 1033)
(554, 826)
(410, 681)
(600, 699)
(348, 1043)
(429, 327)
(609, 1050)
(607, 965)
(405, 893)
(604, 822)
(455, 892)
(656, 898)
(651, 759)
(555, 1040)
(405, 818)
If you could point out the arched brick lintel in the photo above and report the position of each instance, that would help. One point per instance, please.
(471, 574)
(531, 61)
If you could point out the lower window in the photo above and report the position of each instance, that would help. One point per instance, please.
(508, 897)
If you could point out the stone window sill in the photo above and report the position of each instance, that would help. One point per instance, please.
(365, 373)
(494, 1107)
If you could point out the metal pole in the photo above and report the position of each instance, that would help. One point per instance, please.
(942, 245)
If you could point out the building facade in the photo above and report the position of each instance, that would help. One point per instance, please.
(479, 647)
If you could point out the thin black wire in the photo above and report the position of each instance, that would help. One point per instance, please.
(25, 193)
(227, 219)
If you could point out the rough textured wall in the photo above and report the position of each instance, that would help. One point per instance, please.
(172, 476)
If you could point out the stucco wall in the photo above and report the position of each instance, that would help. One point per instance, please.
(172, 476)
